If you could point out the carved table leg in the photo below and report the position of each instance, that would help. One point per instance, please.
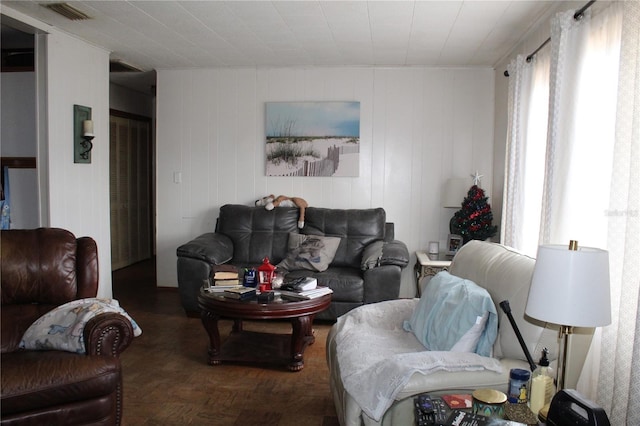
(301, 336)
(210, 322)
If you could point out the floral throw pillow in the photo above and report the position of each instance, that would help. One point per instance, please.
(62, 327)
(311, 252)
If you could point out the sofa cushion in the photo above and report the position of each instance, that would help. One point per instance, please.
(311, 252)
(32, 381)
(453, 311)
(356, 227)
(256, 232)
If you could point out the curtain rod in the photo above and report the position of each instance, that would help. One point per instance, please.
(577, 16)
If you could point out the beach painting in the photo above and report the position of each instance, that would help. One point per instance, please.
(312, 138)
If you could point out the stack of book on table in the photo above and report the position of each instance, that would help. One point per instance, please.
(305, 288)
(225, 276)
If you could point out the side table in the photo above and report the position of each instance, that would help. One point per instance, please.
(427, 265)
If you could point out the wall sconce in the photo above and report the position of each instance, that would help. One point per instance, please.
(82, 134)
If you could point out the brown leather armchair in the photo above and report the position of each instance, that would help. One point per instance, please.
(42, 269)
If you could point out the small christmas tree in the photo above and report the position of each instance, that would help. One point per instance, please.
(473, 220)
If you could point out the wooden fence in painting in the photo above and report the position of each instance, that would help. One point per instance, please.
(350, 149)
(328, 165)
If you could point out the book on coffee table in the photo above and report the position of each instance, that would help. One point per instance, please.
(240, 293)
(463, 418)
(226, 282)
(225, 276)
(305, 295)
(220, 288)
(225, 272)
(457, 401)
(300, 284)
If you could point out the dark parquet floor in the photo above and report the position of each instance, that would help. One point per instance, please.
(167, 380)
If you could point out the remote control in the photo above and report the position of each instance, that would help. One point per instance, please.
(430, 411)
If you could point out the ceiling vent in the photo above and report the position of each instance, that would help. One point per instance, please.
(120, 66)
(68, 11)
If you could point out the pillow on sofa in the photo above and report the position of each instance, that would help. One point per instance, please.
(371, 255)
(455, 314)
(312, 252)
(62, 328)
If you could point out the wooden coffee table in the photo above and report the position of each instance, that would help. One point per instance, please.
(255, 347)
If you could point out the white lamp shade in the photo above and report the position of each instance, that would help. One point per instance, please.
(455, 189)
(570, 287)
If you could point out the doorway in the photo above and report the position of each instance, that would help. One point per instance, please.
(19, 189)
(130, 175)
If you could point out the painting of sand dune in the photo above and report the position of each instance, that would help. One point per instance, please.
(312, 138)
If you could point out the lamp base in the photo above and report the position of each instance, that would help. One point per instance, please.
(563, 357)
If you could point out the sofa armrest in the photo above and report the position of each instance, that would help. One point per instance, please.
(381, 283)
(107, 334)
(394, 253)
(212, 248)
(382, 266)
(384, 253)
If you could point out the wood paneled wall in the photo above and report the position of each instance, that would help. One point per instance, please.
(78, 194)
(418, 127)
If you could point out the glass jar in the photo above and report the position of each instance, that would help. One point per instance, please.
(519, 385)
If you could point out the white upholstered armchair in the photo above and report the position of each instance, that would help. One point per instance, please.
(506, 275)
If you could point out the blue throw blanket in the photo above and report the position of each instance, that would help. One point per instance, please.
(455, 314)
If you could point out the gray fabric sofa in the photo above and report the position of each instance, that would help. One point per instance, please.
(359, 274)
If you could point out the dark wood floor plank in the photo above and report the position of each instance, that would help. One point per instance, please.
(167, 380)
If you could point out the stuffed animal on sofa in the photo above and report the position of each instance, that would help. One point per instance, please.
(270, 202)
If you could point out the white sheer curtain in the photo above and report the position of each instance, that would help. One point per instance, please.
(619, 378)
(583, 87)
(526, 141)
(592, 181)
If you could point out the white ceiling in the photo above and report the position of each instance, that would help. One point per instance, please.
(185, 34)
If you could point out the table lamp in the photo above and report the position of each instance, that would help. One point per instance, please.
(570, 288)
(455, 189)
